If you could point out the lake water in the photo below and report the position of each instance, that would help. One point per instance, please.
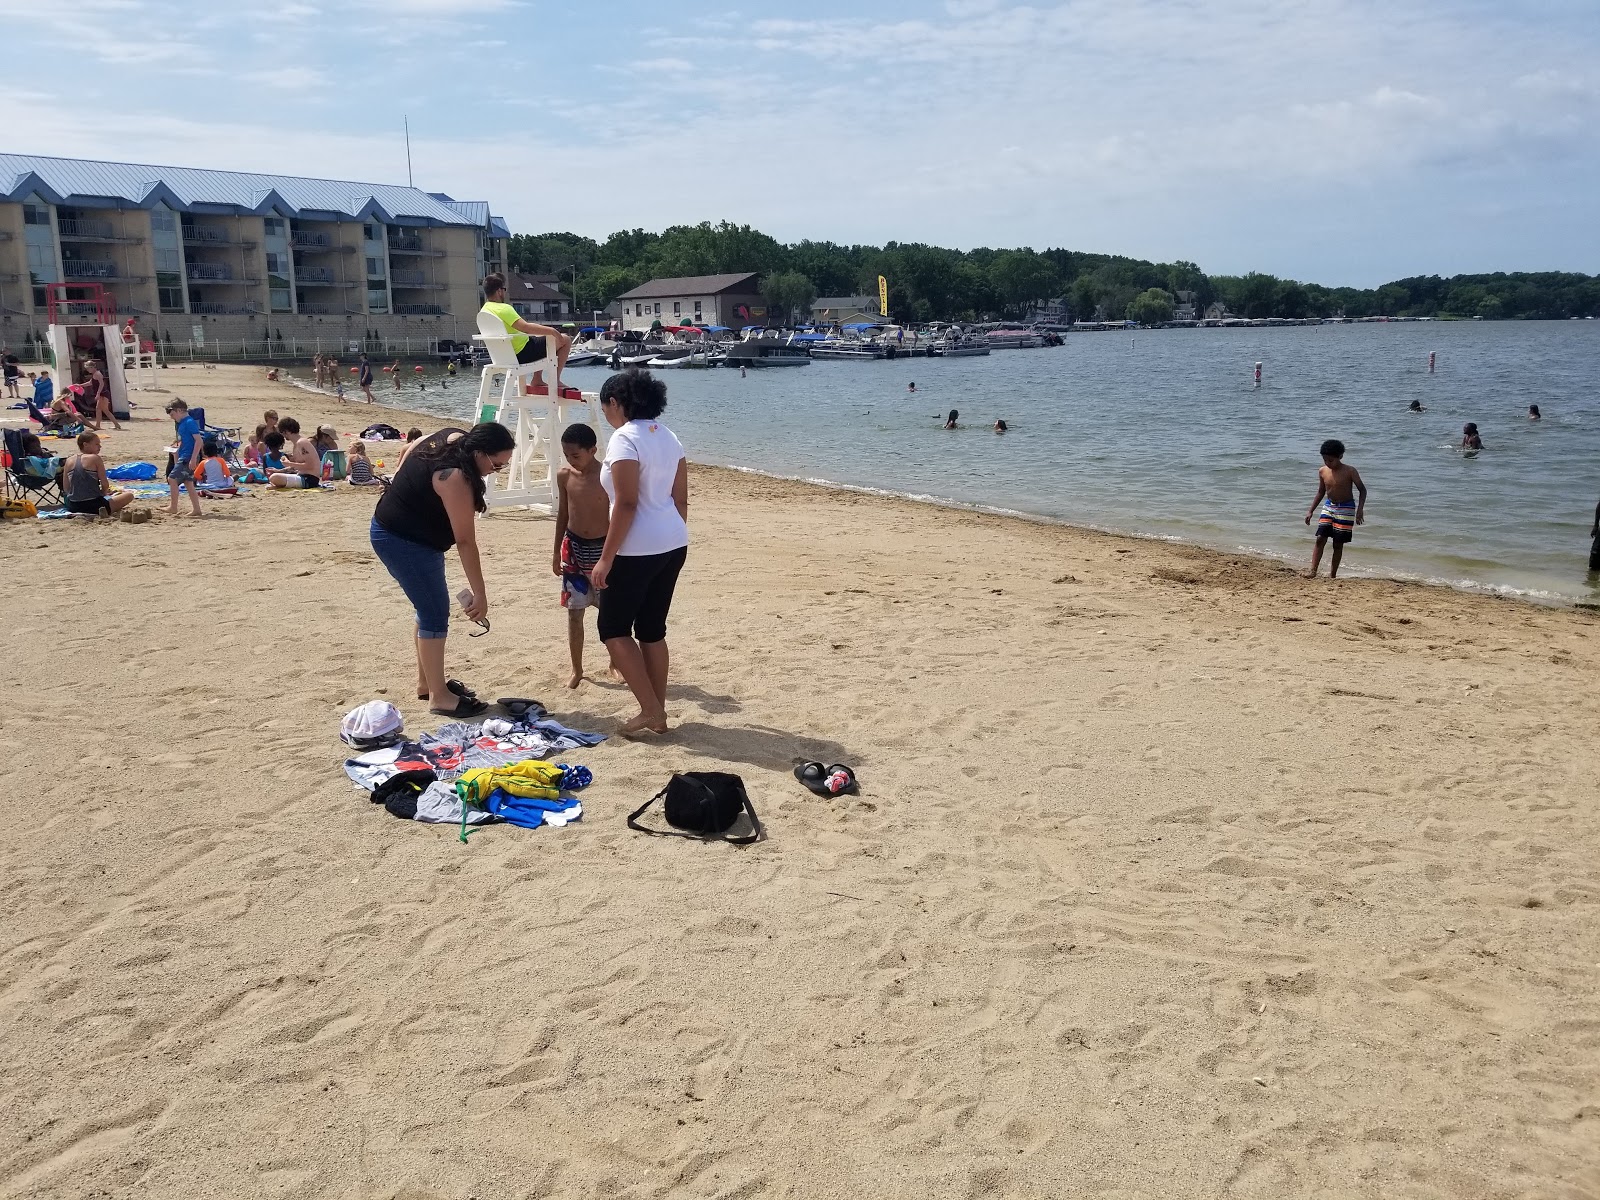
(1161, 433)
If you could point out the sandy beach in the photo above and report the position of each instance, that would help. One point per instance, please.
(1173, 874)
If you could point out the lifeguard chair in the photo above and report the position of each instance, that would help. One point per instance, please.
(138, 360)
(82, 326)
(529, 480)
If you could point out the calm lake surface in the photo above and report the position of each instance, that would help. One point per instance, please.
(1161, 433)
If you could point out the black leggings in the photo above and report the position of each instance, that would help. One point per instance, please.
(638, 595)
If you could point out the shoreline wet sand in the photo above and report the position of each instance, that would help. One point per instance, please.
(1172, 873)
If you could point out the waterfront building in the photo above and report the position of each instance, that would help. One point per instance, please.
(196, 254)
(731, 300)
(831, 310)
(537, 298)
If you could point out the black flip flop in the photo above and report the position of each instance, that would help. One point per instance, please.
(457, 688)
(465, 707)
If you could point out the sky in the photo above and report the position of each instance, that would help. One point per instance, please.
(1336, 141)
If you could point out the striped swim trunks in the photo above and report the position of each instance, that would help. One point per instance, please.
(579, 557)
(1337, 521)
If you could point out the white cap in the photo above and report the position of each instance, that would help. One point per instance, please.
(376, 723)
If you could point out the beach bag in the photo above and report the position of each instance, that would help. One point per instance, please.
(704, 805)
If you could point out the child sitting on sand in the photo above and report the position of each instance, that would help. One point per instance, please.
(253, 446)
(583, 515)
(361, 473)
(213, 476)
(269, 422)
(272, 451)
(1337, 482)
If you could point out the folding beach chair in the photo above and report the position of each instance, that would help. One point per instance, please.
(227, 439)
(44, 490)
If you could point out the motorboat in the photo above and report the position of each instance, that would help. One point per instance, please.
(847, 350)
(961, 347)
(1012, 339)
(582, 356)
(767, 348)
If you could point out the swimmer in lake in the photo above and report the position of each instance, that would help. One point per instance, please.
(950, 421)
(1469, 437)
(911, 387)
(1416, 406)
(999, 426)
(1534, 414)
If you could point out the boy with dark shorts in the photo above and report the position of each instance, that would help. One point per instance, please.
(185, 457)
(1338, 483)
(583, 516)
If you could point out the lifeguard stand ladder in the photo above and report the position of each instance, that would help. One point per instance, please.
(529, 480)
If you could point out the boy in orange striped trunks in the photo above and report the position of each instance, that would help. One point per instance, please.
(1338, 485)
(583, 516)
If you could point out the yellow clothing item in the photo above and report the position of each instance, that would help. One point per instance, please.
(530, 779)
(509, 318)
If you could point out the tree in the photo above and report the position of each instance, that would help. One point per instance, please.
(789, 291)
(1021, 276)
(1151, 307)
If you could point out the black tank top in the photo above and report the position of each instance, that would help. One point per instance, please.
(409, 507)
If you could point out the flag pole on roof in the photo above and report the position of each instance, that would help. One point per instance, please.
(407, 119)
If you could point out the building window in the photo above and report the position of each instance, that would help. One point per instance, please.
(374, 268)
(35, 214)
(42, 260)
(676, 308)
(169, 291)
(697, 308)
(377, 300)
(277, 264)
(168, 259)
(638, 310)
(368, 232)
(658, 308)
(280, 300)
(273, 225)
(162, 220)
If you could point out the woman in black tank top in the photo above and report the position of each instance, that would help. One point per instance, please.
(428, 508)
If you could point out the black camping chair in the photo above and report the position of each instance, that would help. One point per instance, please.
(46, 487)
(227, 439)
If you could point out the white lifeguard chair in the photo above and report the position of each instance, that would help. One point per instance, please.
(139, 361)
(529, 480)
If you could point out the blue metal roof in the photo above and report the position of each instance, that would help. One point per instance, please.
(192, 189)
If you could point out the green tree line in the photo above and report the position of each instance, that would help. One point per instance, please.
(932, 283)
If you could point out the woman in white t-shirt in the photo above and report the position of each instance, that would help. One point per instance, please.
(647, 478)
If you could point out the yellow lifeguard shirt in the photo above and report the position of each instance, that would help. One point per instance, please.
(509, 317)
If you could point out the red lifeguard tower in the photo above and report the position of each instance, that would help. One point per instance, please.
(83, 329)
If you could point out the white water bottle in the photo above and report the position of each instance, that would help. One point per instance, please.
(465, 598)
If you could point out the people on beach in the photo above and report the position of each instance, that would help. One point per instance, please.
(647, 478)
(394, 374)
(214, 476)
(950, 421)
(84, 482)
(326, 439)
(13, 374)
(413, 436)
(1417, 407)
(185, 459)
(44, 389)
(361, 473)
(254, 445)
(1000, 426)
(583, 517)
(364, 377)
(1594, 541)
(302, 465)
(1469, 437)
(529, 341)
(1338, 484)
(429, 507)
(1534, 413)
(272, 452)
(269, 422)
(97, 398)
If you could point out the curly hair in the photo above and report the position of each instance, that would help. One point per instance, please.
(640, 395)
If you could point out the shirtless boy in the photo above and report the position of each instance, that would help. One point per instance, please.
(302, 463)
(1338, 484)
(583, 515)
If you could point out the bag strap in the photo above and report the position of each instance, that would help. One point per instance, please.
(756, 832)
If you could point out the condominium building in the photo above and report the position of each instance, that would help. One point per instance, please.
(231, 255)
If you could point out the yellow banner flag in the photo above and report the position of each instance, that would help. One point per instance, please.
(883, 296)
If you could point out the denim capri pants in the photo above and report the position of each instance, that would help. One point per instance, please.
(419, 570)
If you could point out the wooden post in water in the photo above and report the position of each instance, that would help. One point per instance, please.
(1258, 374)
(1431, 354)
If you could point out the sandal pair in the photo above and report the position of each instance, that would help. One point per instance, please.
(467, 702)
(837, 780)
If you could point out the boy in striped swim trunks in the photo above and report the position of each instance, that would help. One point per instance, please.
(1338, 485)
(583, 516)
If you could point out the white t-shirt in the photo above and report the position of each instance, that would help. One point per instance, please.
(657, 526)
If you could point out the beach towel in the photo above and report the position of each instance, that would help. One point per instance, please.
(530, 779)
(531, 813)
(1337, 521)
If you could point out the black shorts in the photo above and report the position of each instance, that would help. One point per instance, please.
(310, 481)
(638, 595)
(98, 505)
(533, 351)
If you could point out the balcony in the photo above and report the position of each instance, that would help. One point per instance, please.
(318, 310)
(83, 268)
(418, 310)
(412, 245)
(204, 235)
(211, 309)
(210, 273)
(317, 243)
(415, 280)
(316, 277)
(86, 229)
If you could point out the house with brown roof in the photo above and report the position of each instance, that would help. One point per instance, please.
(731, 300)
(535, 298)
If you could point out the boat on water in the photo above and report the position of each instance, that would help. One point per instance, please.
(960, 347)
(582, 356)
(1011, 339)
(846, 349)
(679, 358)
(766, 348)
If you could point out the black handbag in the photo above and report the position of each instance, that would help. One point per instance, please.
(704, 805)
